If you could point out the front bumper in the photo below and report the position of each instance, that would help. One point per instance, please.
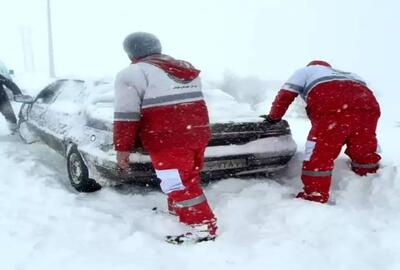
(214, 168)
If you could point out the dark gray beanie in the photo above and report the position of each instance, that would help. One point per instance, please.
(141, 44)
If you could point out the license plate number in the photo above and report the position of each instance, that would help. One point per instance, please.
(224, 164)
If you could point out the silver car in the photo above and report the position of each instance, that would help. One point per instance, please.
(74, 117)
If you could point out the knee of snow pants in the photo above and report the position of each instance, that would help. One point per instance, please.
(362, 144)
(179, 172)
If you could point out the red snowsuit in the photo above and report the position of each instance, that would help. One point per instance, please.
(343, 111)
(160, 100)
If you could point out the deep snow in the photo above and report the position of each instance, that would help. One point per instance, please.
(45, 224)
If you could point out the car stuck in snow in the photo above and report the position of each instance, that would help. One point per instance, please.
(75, 118)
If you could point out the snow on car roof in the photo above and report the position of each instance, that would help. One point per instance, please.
(222, 106)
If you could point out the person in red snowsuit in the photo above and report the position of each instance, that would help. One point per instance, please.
(343, 111)
(159, 100)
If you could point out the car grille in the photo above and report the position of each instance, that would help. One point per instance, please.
(225, 134)
(241, 133)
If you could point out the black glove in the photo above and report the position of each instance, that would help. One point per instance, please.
(268, 120)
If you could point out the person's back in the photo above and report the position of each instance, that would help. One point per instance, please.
(328, 90)
(173, 111)
(342, 111)
(160, 99)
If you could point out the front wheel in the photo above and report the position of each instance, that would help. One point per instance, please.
(78, 173)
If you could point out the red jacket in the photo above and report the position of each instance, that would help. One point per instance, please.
(325, 90)
(160, 99)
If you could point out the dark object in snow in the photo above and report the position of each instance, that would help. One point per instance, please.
(194, 235)
(156, 210)
(75, 116)
(188, 238)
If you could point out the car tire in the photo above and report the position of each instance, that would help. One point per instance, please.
(25, 134)
(78, 173)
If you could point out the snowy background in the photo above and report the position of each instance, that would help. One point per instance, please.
(247, 51)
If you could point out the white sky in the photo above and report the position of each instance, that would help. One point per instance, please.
(267, 39)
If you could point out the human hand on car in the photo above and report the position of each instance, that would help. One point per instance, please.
(268, 120)
(123, 159)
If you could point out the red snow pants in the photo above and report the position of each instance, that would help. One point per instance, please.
(355, 129)
(179, 171)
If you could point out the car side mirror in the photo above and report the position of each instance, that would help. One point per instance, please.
(23, 99)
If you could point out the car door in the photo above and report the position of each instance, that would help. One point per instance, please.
(50, 114)
(37, 119)
(63, 115)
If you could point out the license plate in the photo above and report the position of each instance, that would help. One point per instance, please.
(224, 164)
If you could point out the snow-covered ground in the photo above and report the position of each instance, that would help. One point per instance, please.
(45, 224)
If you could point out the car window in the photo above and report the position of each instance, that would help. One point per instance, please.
(70, 97)
(48, 94)
(101, 102)
(71, 91)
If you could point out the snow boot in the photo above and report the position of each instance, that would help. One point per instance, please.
(196, 234)
(314, 196)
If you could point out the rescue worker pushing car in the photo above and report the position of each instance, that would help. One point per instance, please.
(343, 111)
(160, 100)
(5, 105)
